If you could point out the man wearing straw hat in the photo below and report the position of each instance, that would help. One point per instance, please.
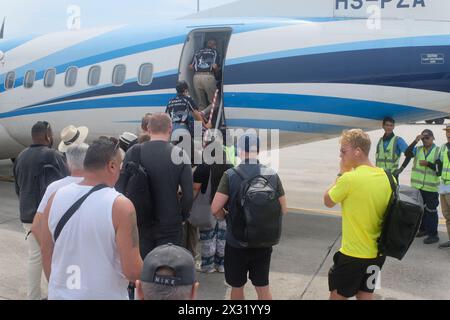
(72, 136)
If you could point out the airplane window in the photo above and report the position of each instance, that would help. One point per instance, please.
(71, 76)
(10, 80)
(49, 78)
(29, 79)
(145, 74)
(94, 75)
(119, 74)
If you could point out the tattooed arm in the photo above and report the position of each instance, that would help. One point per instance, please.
(127, 238)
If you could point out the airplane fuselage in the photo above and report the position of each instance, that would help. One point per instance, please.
(310, 78)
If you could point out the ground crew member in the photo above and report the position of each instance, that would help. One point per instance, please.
(389, 148)
(205, 63)
(444, 188)
(424, 178)
(230, 152)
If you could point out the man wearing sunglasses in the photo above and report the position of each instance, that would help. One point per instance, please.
(424, 178)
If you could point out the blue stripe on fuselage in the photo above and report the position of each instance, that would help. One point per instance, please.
(397, 67)
(316, 104)
(292, 126)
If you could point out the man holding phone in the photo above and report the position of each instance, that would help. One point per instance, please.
(424, 178)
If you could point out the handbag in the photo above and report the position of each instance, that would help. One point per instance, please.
(201, 215)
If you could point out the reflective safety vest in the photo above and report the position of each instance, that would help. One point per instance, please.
(424, 178)
(231, 154)
(445, 176)
(387, 159)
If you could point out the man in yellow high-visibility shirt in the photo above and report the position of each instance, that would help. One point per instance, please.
(363, 191)
(425, 179)
(444, 188)
(389, 148)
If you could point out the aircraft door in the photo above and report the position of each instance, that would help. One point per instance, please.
(207, 94)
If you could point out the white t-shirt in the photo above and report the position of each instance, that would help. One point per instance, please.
(55, 186)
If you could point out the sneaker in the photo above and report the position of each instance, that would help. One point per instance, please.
(421, 234)
(445, 245)
(220, 269)
(209, 270)
(431, 239)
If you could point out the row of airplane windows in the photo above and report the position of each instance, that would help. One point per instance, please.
(145, 76)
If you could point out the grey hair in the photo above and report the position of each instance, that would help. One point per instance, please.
(156, 291)
(75, 156)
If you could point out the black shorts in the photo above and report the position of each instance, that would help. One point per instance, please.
(239, 262)
(349, 275)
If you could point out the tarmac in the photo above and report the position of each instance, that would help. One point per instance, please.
(311, 235)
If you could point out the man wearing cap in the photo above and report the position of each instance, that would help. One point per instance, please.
(168, 273)
(424, 178)
(34, 169)
(444, 188)
(239, 259)
(72, 136)
(389, 148)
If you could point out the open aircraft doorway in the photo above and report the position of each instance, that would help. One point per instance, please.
(196, 40)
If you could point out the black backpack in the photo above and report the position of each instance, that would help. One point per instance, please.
(134, 183)
(259, 218)
(401, 221)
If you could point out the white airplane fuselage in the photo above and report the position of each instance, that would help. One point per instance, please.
(309, 78)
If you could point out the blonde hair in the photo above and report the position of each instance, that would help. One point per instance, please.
(357, 139)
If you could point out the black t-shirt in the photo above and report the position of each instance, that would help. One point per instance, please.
(180, 108)
(201, 175)
(166, 178)
(204, 59)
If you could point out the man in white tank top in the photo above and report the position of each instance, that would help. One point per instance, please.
(97, 251)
